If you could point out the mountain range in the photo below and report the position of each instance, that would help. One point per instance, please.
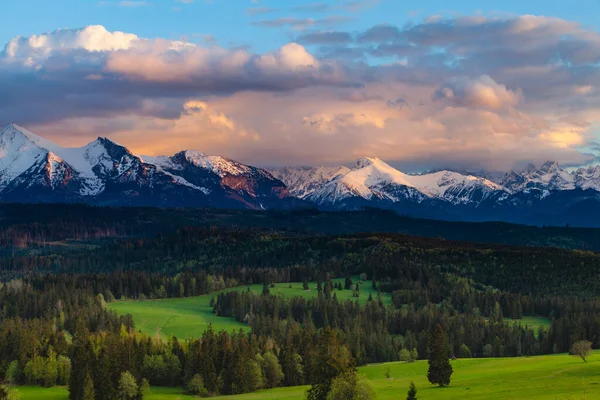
(33, 169)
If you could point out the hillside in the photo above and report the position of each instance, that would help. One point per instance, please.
(40, 225)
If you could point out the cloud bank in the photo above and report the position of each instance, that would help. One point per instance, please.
(473, 92)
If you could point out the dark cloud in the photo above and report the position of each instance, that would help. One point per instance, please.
(380, 33)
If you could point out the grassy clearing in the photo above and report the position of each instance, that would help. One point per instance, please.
(189, 317)
(546, 377)
(532, 322)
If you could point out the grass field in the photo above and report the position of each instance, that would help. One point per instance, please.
(546, 377)
(189, 317)
(61, 393)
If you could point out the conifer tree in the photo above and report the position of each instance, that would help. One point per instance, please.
(440, 369)
(412, 392)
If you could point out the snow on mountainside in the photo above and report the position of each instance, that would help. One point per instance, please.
(240, 181)
(457, 188)
(303, 181)
(588, 178)
(548, 177)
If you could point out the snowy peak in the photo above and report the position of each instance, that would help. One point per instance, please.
(19, 151)
(13, 133)
(367, 161)
(550, 167)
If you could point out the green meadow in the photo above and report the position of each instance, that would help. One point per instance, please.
(189, 317)
(534, 378)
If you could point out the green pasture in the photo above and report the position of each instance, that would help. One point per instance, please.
(555, 377)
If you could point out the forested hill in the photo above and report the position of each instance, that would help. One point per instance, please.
(41, 225)
(389, 258)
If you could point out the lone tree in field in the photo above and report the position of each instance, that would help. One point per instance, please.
(440, 369)
(412, 392)
(583, 349)
(351, 386)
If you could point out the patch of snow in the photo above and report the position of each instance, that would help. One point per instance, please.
(219, 165)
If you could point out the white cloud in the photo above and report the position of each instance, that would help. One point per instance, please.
(94, 38)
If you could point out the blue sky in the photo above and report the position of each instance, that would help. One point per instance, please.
(422, 84)
(230, 22)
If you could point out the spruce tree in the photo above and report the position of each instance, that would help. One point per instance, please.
(412, 392)
(440, 369)
(348, 282)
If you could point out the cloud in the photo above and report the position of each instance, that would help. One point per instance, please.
(463, 91)
(326, 37)
(95, 38)
(482, 91)
(301, 23)
(260, 10)
(359, 5)
(126, 3)
(98, 73)
(133, 3)
(380, 33)
(312, 8)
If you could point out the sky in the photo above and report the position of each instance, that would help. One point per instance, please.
(429, 84)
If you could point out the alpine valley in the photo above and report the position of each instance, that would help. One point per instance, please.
(33, 169)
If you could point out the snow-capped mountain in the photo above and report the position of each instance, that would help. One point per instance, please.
(544, 195)
(373, 179)
(33, 169)
(246, 184)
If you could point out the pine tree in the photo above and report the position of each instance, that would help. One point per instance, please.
(412, 392)
(348, 282)
(440, 369)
